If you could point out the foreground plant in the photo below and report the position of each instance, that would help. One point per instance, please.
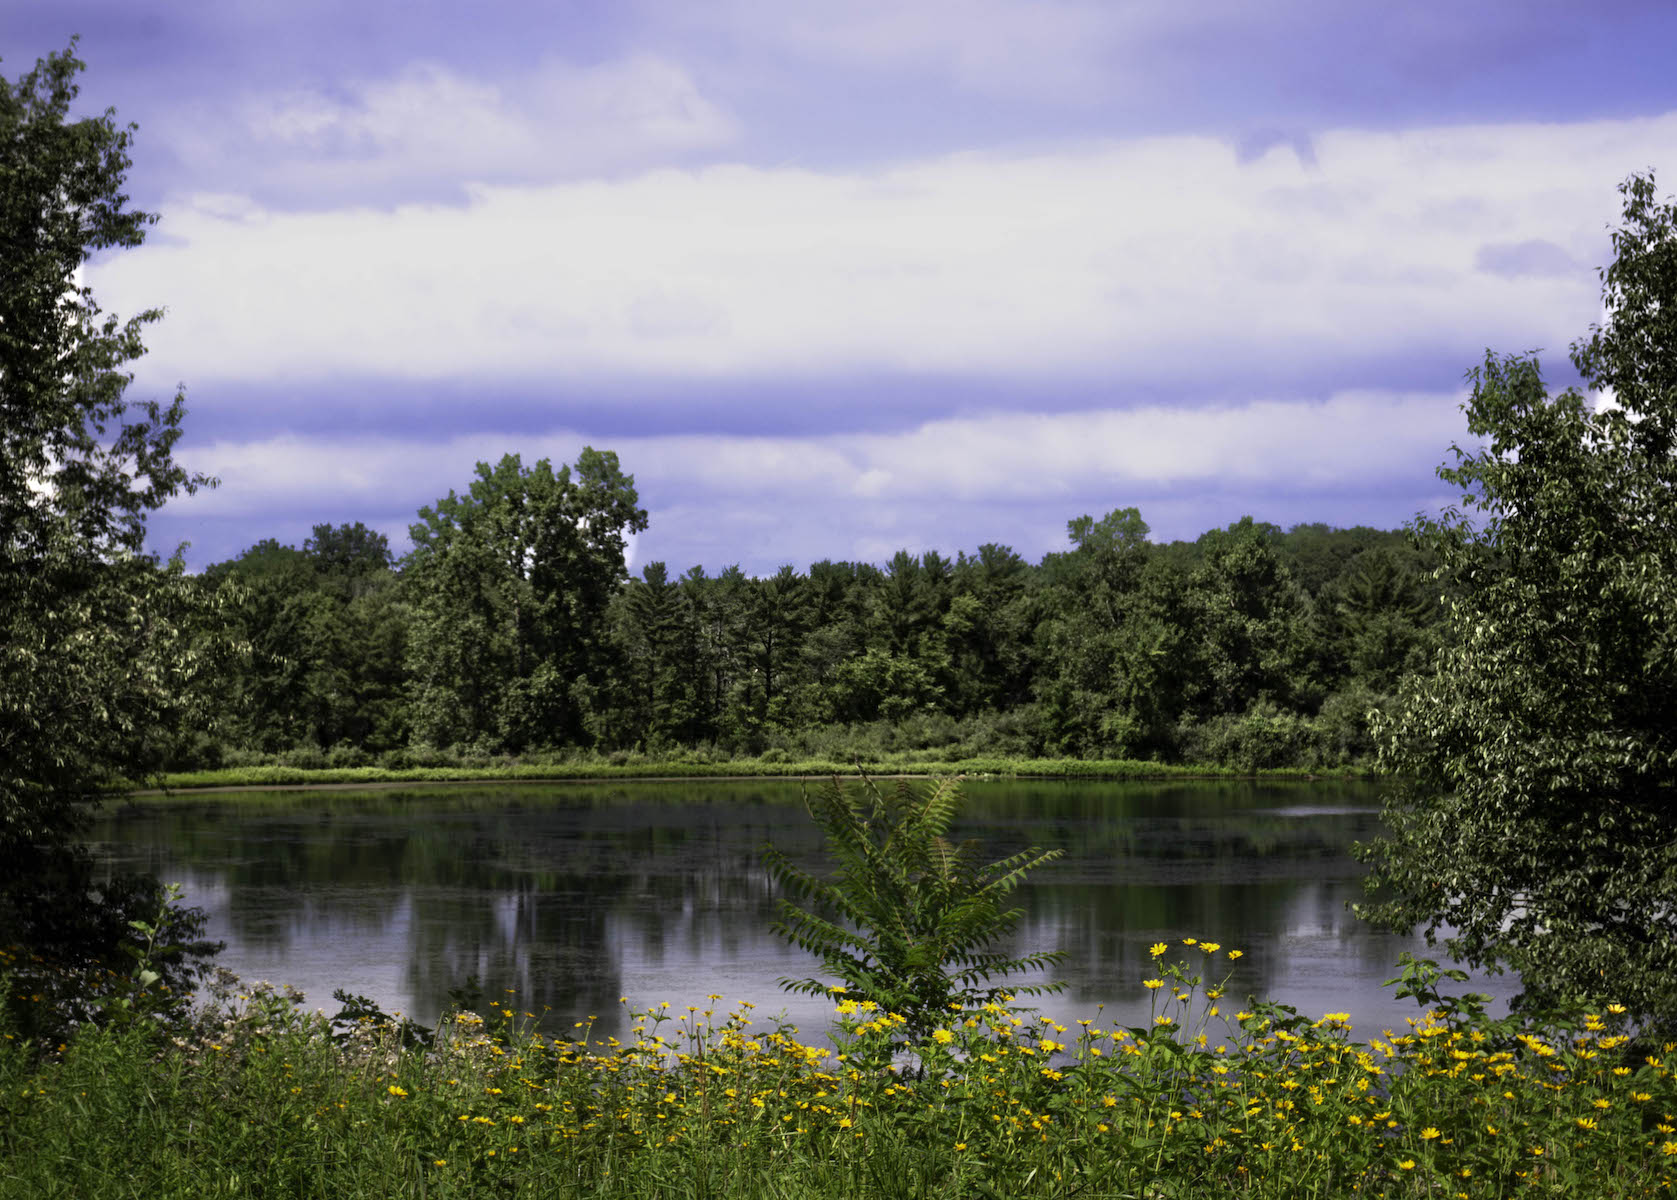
(909, 920)
(262, 1099)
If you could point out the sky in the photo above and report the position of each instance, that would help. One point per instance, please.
(835, 279)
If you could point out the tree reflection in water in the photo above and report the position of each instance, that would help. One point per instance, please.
(561, 899)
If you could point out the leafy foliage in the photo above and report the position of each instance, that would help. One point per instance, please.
(511, 583)
(1537, 817)
(908, 919)
(97, 651)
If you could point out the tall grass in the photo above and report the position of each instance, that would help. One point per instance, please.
(1045, 768)
(259, 1098)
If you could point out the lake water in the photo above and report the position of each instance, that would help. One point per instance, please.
(574, 896)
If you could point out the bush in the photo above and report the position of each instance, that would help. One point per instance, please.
(305, 758)
(346, 755)
(1263, 737)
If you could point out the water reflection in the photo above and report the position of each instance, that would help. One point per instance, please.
(568, 898)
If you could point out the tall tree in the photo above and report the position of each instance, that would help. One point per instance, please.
(1535, 818)
(95, 660)
(989, 627)
(657, 638)
(1084, 634)
(511, 585)
(1252, 622)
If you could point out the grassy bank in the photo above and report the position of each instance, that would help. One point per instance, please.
(261, 1099)
(744, 768)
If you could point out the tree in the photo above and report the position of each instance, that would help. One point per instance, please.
(656, 639)
(1251, 622)
(511, 583)
(1535, 817)
(1087, 634)
(95, 659)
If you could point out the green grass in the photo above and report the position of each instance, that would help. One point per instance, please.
(1038, 768)
(258, 1099)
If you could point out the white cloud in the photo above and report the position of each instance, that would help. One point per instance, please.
(430, 127)
(1350, 443)
(1158, 259)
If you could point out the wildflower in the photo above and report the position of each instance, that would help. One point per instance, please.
(1211, 947)
(942, 1036)
(1157, 948)
(1152, 985)
(1669, 1149)
(1429, 1133)
(395, 1091)
(439, 1162)
(1109, 1102)
(1236, 953)
(1604, 1104)
(960, 1145)
(1407, 1164)
(1585, 1122)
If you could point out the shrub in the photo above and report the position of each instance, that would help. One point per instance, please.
(908, 920)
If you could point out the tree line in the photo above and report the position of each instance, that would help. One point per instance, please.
(512, 627)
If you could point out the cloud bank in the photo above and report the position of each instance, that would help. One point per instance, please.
(1136, 262)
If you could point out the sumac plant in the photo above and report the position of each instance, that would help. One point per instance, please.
(907, 919)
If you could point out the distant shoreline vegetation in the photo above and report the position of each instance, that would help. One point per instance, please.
(275, 775)
(1251, 647)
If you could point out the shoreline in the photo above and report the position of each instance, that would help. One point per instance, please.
(276, 778)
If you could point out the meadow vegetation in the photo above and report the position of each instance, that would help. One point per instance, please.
(259, 1097)
(680, 766)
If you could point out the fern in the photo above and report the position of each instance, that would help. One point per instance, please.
(907, 919)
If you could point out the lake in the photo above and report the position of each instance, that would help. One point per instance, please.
(572, 896)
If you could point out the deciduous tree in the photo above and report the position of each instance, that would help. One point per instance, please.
(511, 585)
(1535, 822)
(95, 660)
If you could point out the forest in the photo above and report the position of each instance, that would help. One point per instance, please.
(512, 629)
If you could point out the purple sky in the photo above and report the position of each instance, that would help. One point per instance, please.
(837, 278)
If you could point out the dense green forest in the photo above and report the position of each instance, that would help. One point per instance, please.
(512, 628)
